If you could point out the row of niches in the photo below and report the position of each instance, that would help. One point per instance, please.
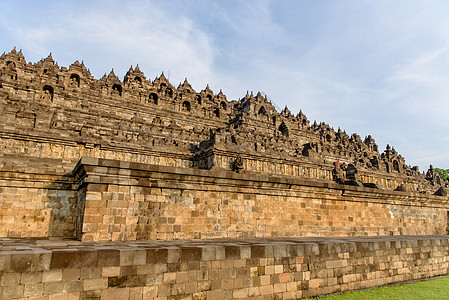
(78, 77)
(51, 82)
(75, 83)
(189, 102)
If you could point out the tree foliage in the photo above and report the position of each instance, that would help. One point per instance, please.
(444, 174)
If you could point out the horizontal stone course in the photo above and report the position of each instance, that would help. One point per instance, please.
(182, 203)
(288, 268)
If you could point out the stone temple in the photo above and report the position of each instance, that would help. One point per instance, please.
(138, 189)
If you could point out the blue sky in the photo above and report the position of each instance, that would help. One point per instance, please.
(371, 67)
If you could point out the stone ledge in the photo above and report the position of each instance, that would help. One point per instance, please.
(98, 166)
(34, 245)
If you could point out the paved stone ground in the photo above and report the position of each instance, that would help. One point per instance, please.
(30, 245)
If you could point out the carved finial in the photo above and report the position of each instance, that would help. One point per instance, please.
(286, 112)
(49, 59)
(137, 69)
(208, 90)
(14, 51)
(221, 96)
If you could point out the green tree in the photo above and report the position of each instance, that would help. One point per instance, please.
(444, 174)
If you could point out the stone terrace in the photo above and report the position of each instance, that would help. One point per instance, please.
(287, 268)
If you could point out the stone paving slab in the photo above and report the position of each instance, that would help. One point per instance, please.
(31, 245)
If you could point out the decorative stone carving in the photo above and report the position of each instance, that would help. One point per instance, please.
(338, 173)
(237, 164)
(401, 188)
(103, 111)
(441, 192)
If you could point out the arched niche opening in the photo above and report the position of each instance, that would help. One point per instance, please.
(11, 70)
(138, 80)
(169, 92)
(223, 105)
(217, 112)
(74, 80)
(47, 93)
(11, 65)
(209, 97)
(328, 138)
(198, 99)
(395, 165)
(186, 106)
(263, 111)
(116, 90)
(153, 98)
(284, 129)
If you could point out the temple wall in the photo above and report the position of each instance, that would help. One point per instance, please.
(27, 146)
(131, 201)
(35, 204)
(233, 269)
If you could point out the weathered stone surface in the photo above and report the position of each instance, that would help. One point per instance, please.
(193, 204)
(106, 160)
(325, 265)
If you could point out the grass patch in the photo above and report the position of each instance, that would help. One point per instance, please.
(429, 289)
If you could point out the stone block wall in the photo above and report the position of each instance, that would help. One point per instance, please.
(233, 269)
(116, 200)
(37, 198)
(130, 201)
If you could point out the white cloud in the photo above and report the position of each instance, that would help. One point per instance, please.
(371, 67)
(136, 33)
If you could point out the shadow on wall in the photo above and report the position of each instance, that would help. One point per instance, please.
(61, 201)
